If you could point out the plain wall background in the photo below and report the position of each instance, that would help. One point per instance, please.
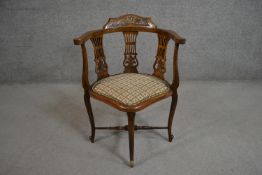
(224, 37)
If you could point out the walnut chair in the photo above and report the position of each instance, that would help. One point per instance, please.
(130, 91)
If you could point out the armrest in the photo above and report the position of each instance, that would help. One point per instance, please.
(86, 36)
(174, 36)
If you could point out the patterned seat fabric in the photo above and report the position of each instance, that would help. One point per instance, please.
(131, 88)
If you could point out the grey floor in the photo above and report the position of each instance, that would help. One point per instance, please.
(218, 130)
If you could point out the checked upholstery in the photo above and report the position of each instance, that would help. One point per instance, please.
(131, 88)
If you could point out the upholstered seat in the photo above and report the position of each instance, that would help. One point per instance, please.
(131, 88)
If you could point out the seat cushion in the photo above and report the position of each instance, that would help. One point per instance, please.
(131, 88)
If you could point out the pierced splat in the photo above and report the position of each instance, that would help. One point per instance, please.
(130, 61)
(160, 63)
(101, 65)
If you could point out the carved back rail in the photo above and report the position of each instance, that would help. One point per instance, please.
(129, 20)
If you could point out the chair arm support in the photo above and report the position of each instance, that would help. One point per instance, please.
(85, 81)
(174, 36)
(175, 82)
(86, 36)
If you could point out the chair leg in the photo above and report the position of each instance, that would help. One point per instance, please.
(171, 116)
(91, 117)
(131, 129)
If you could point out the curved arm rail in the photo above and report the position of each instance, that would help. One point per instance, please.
(86, 36)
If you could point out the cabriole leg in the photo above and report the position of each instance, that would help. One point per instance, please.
(131, 129)
(171, 116)
(91, 117)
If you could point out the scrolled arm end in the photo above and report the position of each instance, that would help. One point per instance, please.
(174, 36)
(86, 36)
(77, 41)
(177, 38)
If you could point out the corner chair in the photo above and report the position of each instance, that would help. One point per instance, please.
(130, 91)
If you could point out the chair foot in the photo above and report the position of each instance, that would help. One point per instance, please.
(170, 138)
(131, 163)
(92, 139)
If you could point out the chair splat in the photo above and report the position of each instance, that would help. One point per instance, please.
(100, 59)
(160, 62)
(130, 61)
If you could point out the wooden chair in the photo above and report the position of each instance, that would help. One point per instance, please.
(130, 91)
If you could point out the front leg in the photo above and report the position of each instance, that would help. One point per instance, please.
(171, 116)
(131, 130)
(91, 117)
